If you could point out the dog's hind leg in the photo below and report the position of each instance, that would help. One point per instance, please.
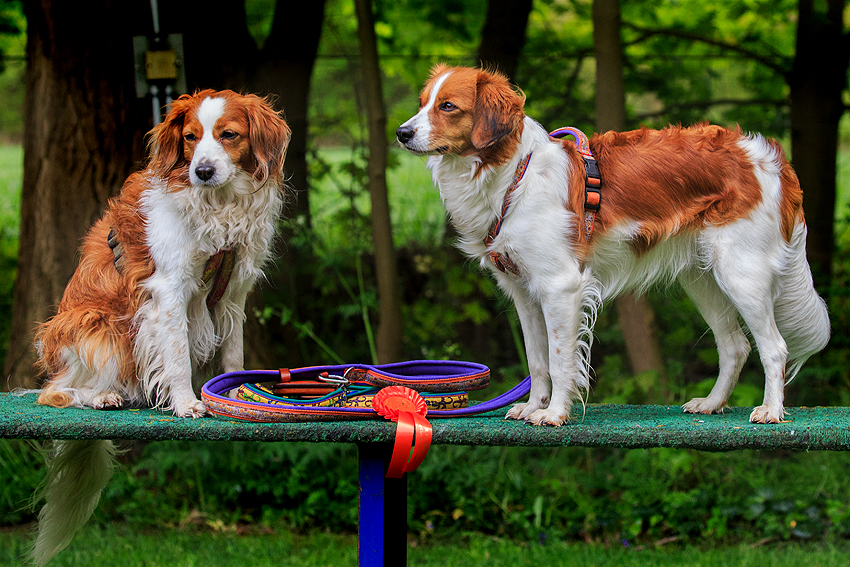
(86, 378)
(752, 293)
(733, 347)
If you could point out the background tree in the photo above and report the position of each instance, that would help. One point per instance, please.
(83, 134)
(637, 320)
(390, 327)
(503, 34)
(817, 80)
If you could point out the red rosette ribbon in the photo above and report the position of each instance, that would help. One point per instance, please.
(407, 409)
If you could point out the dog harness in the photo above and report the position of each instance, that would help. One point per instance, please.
(403, 392)
(592, 177)
(592, 196)
(219, 268)
(501, 260)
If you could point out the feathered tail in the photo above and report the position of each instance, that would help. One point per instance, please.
(77, 471)
(801, 315)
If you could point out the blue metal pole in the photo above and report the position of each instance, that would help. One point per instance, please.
(382, 531)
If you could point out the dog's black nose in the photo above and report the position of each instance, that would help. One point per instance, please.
(205, 171)
(405, 134)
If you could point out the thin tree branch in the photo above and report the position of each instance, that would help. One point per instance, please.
(776, 62)
(710, 103)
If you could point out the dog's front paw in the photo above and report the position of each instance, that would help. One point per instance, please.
(516, 411)
(190, 408)
(522, 411)
(107, 401)
(704, 405)
(548, 416)
(767, 414)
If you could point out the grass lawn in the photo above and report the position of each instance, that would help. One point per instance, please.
(121, 545)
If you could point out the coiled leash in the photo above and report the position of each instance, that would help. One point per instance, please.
(403, 392)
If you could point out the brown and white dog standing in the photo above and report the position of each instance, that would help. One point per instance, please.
(161, 285)
(714, 209)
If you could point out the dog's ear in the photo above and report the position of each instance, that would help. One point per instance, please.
(269, 135)
(498, 110)
(165, 143)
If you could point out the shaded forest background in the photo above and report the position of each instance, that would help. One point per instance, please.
(358, 278)
(364, 217)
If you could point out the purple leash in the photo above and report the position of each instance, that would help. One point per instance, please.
(514, 394)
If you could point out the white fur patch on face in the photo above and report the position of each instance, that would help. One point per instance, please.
(211, 165)
(421, 123)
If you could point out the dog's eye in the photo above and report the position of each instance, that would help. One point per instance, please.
(228, 135)
(448, 106)
(189, 137)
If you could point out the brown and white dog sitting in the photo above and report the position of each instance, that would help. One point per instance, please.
(161, 285)
(714, 209)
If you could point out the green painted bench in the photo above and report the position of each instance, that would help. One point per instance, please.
(383, 502)
(602, 425)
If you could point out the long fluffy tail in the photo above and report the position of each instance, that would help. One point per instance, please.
(801, 314)
(77, 471)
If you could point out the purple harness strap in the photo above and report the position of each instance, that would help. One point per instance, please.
(416, 375)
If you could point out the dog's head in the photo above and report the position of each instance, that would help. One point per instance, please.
(463, 111)
(208, 137)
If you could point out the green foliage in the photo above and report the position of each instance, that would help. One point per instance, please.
(12, 49)
(21, 470)
(536, 495)
(291, 484)
(11, 168)
(725, 62)
(683, 63)
(639, 496)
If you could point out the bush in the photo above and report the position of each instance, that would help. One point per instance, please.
(532, 494)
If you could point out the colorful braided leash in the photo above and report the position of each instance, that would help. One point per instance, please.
(403, 392)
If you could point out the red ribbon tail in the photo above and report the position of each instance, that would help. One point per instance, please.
(423, 442)
(408, 426)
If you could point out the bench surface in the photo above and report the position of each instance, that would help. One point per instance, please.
(602, 425)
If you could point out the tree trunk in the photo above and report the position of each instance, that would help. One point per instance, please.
(637, 321)
(287, 61)
(503, 35)
(282, 69)
(83, 134)
(390, 325)
(817, 80)
(285, 68)
(219, 50)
